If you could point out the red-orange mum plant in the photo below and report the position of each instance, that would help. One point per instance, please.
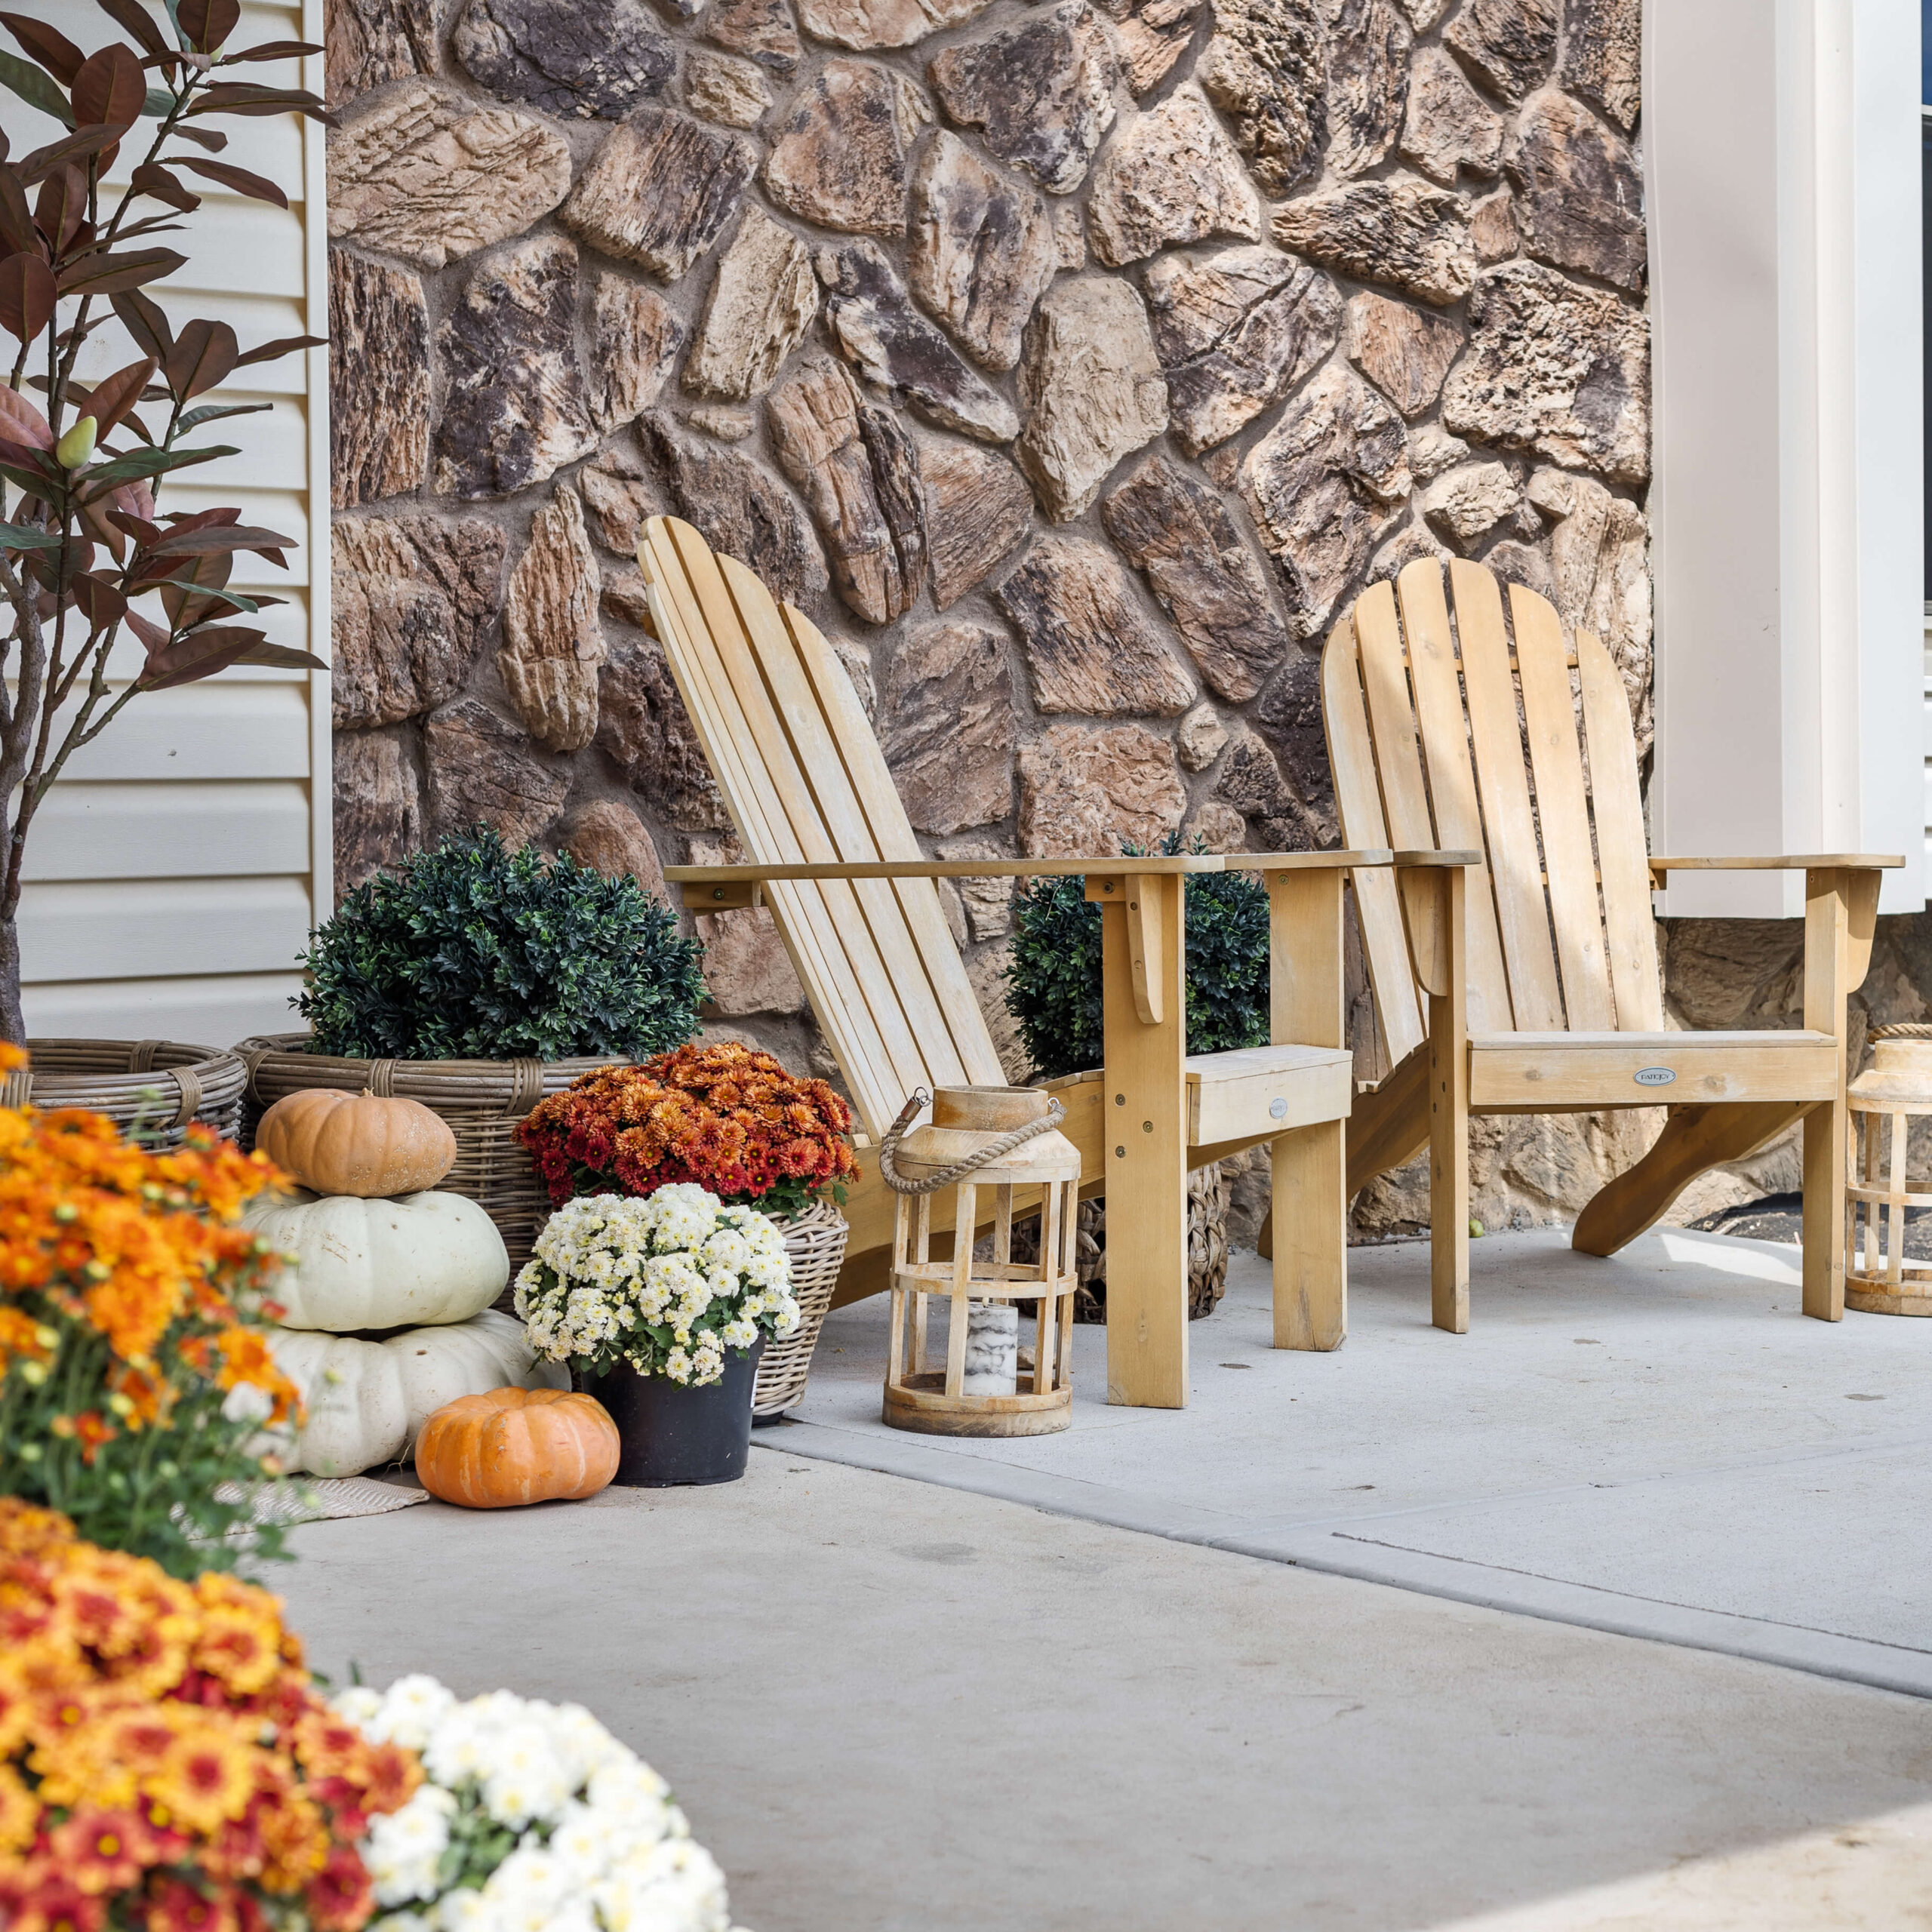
(165, 1761)
(135, 1374)
(727, 1117)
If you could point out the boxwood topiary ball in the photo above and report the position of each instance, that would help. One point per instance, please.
(472, 952)
(1053, 970)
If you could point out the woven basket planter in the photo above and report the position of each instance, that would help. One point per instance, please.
(159, 1086)
(483, 1101)
(815, 1241)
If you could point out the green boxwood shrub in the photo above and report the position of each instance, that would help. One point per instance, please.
(1053, 969)
(472, 952)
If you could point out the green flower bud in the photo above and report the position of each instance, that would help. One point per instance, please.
(77, 445)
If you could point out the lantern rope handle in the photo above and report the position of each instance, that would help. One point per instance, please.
(992, 1151)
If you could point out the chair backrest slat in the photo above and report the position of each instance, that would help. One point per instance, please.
(804, 782)
(1358, 796)
(1617, 806)
(890, 835)
(812, 778)
(1476, 738)
(1391, 719)
(1563, 813)
(1522, 911)
(737, 746)
(1452, 780)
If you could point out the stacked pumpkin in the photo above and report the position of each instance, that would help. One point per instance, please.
(385, 1305)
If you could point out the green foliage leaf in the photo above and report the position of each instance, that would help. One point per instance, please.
(36, 89)
(23, 537)
(213, 412)
(473, 951)
(1053, 969)
(150, 462)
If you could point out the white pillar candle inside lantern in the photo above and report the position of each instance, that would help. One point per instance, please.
(1885, 1100)
(992, 1349)
(985, 1386)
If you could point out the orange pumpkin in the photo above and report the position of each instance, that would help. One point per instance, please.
(334, 1143)
(514, 1446)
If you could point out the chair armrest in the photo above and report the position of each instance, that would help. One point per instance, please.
(1430, 884)
(1800, 862)
(718, 888)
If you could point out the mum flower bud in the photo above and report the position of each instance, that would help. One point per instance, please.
(77, 445)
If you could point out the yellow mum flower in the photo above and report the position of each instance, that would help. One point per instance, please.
(205, 1779)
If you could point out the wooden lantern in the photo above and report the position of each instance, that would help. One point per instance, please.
(1885, 1099)
(951, 1401)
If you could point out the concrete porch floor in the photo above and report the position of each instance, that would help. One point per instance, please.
(890, 1705)
(1658, 1445)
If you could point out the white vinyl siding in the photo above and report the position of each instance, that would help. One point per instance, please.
(174, 873)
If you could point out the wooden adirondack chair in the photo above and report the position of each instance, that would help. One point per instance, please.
(1530, 983)
(833, 856)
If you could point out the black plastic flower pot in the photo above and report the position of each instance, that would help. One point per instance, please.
(670, 1433)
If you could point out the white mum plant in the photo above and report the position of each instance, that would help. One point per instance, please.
(531, 1817)
(669, 1284)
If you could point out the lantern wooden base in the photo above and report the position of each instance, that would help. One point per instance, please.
(1868, 1298)
(921, 1402)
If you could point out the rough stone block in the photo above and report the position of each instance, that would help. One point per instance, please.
(379, 381)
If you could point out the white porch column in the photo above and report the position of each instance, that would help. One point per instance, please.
(1781, 176)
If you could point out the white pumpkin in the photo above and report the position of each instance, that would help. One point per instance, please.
(366, 1401)
(401, 1263)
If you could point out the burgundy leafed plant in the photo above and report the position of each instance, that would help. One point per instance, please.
(83, 551)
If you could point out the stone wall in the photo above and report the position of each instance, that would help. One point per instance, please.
(1071, 363)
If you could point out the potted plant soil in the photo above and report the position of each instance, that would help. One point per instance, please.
(1053, 989)
(477, 980)
(662, 1305)
(729, 1118)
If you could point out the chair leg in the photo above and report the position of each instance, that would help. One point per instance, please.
(1311, 1252)
(1448, 1168)
(1826, 1132)
(1694, 1140)
(1840, 914)
(1389, 1128)
(1309, 1242)
(1146, 1109)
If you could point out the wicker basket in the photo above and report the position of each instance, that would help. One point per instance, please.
(815, 1241)
(159, 1086)
(483, 1101)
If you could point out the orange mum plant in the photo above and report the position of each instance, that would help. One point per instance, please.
(135, 1374)
(728, 1118)
(164, 1763)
